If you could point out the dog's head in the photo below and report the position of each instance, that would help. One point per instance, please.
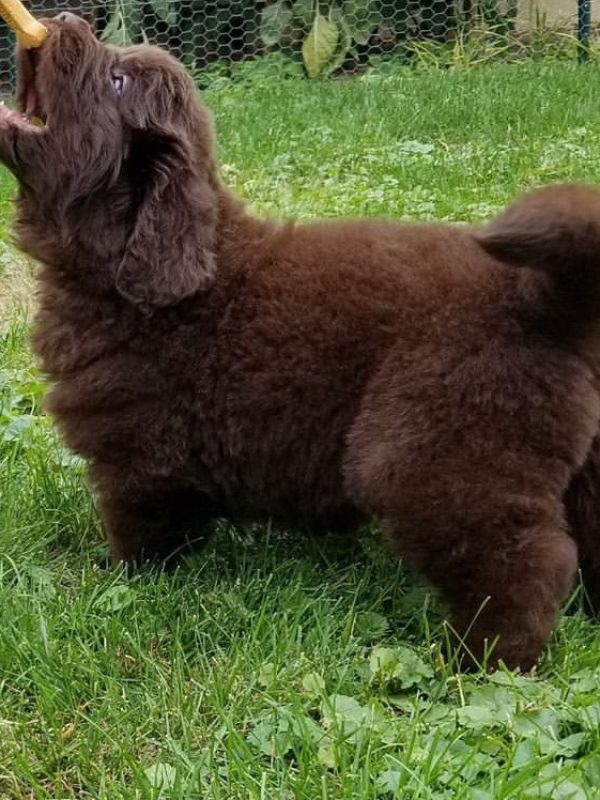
(123, 127)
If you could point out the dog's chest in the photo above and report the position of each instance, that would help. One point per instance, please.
(121, 408)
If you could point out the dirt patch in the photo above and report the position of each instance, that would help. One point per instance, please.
(562, 13)
(17, 286)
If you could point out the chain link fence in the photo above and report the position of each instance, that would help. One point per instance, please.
(331, 37)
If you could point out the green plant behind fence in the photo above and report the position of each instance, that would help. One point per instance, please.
(325, 36)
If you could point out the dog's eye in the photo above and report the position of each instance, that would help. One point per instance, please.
(119, 83)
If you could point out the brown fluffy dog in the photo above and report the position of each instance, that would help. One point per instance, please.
(207, 363)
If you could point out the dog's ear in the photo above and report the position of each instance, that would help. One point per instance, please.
(169, 254)
(170, 251)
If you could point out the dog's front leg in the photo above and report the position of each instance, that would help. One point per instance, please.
(150, 524)
(22, 144)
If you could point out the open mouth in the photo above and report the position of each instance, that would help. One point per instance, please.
(29, 101)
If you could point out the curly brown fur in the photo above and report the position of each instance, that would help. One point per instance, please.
(583, 512)
(206, 363)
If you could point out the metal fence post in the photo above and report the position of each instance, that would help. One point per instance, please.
(584, 13)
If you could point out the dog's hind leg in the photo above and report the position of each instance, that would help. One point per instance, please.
(582, 502)
(465, 465)
(503, 579)
(501, 560)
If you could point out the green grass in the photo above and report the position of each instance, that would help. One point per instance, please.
(268, 667)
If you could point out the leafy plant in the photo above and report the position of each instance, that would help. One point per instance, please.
(326, 35)
(328, 31)
(124, 25)
(203, 31)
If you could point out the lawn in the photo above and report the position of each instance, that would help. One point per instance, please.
(268, 667)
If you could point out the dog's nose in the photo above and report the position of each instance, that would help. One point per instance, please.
(66, 16)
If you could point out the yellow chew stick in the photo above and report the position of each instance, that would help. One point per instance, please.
(30, 32)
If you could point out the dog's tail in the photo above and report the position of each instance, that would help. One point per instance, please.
(555, 230)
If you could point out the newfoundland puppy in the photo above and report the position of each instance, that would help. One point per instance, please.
(441, 380)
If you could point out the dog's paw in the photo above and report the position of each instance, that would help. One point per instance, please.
(11, 118)
(8, 116)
